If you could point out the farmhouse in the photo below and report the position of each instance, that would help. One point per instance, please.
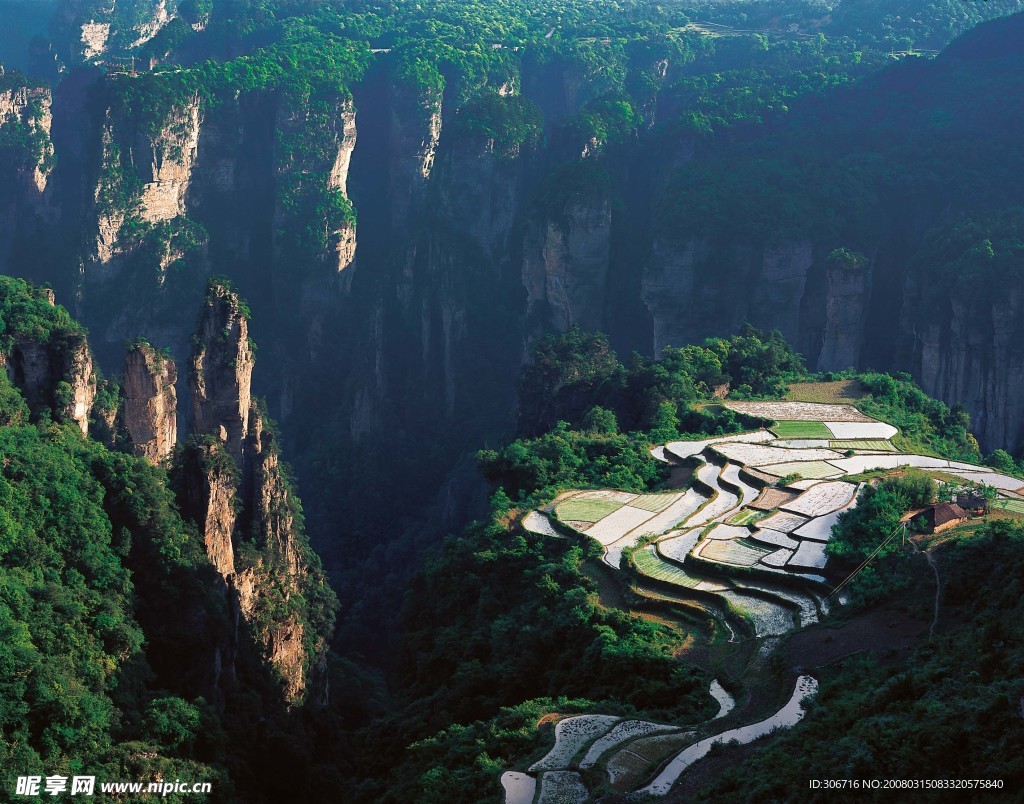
(973, 501)
(943, 516)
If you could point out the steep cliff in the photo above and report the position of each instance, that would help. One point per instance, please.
(150, 402)
(49, 360)
(221, 375)
(86, 30)
(144, 178)
(565, 266)
(209, 482)
(28, 109)
(237, 492)
(414, 131)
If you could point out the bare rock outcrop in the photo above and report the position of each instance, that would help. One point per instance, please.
(221, 377)
(236, 490)
(209, 481)
(415, 131)
(150, 402)
(565, 265)
(56, 375)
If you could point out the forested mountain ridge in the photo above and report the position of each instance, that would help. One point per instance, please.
(155, 608)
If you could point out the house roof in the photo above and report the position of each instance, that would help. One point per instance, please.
(944, 512)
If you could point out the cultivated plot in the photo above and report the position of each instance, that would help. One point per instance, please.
(861, 429)
(768, 619)
(586, 510)
(869, 445)
(802, 443)
(807, 470)
(648, 563)
(571, 734)
(726, 703)
(735, 552)
(630, 765)
(536, 522)
(744, 517)
(687, 449)
(626, 730)
(799, 411)
(617, 524)
(727, 532)
(678, 547)
(761, 455)
(731, 474)
(655, 503)
(788, 716)
(562, 787)
(519, 787)
(805, 603)
(823, 498)
(809, 555)
(778, 559)
(1013, 506)
(783, 521)
(802, 429)
(774, 538)
(723, 502)
(676, 514)
(819, 529)
(999, 481)
(772, 497)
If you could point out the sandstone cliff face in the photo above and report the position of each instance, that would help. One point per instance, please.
(482, 192)
(847, 299)
(326, 161)
(150, 402)
(694, 290)
(414, 130)
(280, 565)
(56, 375)
(87, 31)
(565, 266)
(969, 348)
(165, 163)
(32, 107)
(93, 39)
(255, 543)
(221, 374)
(110, 215)
(208, 499)
(77, 371)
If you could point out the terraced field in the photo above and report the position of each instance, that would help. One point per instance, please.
(1013, 506)
(651, 565)
(808, 429)
(876, 445)
(577, 510)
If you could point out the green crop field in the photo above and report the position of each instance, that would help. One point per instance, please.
(809, 470)
(745, 517)
(878, 445)
(655, 503)
(586, 510)
(801, 430)
(648, 563)
(1013, 506)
